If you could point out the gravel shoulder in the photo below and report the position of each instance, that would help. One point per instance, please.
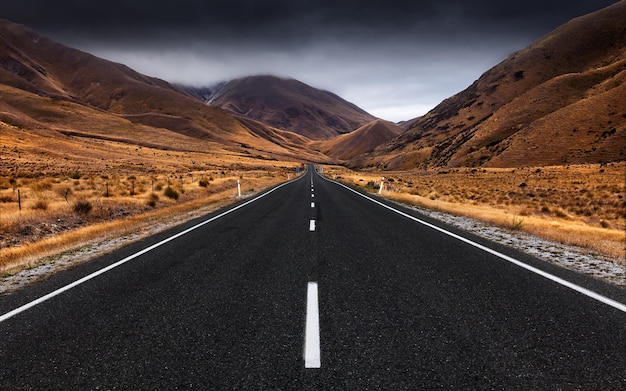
(571, 257)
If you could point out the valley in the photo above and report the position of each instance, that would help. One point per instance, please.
(537, 143)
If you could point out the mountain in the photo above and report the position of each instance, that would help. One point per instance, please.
(558, 101)
(360, 141)
(41, 66)
(287, 104)
(45, 85)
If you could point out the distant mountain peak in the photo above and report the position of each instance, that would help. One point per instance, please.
(286, 104)
(63, 91)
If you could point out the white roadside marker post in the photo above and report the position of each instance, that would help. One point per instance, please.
(382, 183)
(238, 188)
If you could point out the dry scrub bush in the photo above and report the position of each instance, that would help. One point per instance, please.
(40, 205)
(7, 198)
(152, 200)
(169, 192)
(25, 236)
(584, 196)
(82, 207)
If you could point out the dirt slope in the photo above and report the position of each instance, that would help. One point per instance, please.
(558, 101)
(364, 139)
(46, 85)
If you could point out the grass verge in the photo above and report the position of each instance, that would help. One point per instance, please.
(142, 224)
(584, 206)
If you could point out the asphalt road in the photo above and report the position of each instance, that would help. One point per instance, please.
(229, 304)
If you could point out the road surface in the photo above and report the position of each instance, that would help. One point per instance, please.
(314, 286)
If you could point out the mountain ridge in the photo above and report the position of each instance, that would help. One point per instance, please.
(286, 104)
(34, 64)
(543, 105)
(559, 101)
(360, 141)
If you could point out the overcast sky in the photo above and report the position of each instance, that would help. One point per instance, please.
(395, 59)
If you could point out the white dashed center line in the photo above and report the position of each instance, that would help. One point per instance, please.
(312, 225)
(312, 356)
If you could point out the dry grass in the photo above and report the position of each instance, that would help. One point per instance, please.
(580, 205)
(78, 210)
(97, 182)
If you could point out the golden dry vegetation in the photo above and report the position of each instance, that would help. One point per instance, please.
(47, 215)
(583, 205)
(59, 192)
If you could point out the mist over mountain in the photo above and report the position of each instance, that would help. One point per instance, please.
(558, 101)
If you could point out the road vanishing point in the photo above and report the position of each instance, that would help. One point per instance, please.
(312, 285)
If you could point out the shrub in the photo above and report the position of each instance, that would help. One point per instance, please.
(171, 193)
(82, 207)
(153, 199)
(40, 205)
(6, 199)
(203, 183)
(517, 223)
(560, 213)
(74, 175)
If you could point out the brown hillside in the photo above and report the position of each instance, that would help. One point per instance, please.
(37, 64)
(76, 93)
(289, 105)
(364, 139)
(559, 101)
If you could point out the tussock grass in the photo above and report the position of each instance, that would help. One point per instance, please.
(84, 215)
(580, 205)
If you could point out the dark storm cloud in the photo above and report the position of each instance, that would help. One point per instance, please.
(294, 19)
(396, 59)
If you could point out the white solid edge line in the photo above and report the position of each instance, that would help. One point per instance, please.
(312, 356)
(95, 274)
(601, 298)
